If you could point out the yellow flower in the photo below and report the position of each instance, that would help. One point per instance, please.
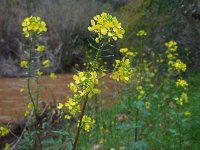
(184, 97)
(79, 78)
(7, 147)
(187, 113)
(181, 83)
(21, 90)
(30, 105)
(87, 123)
(53, 76)
(123, 50)
(105, 24)
(180, 66)
(73, 87)
(3, 131)
(60, 106)
(67, 117)
(40, 48)
(147, 105)
(33, 24)
(46, 63)
(141, 33)
(73, 106)
(24, 64)
(39, 73)
(122, 71)
(171, 45)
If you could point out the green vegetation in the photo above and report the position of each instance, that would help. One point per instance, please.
(115, 127)
(148, 56)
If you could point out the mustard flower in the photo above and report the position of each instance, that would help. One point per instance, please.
(141, 33)
(60, 106)
(40, 48)
(87, 123)
(39, 73)
(79, 78)
(30, 106)
(106, 25)
(67, 117)
(7, 147)
(3, 131)
(122, 71)
(53, 76)
(180, 66)
(147, 105)
(33, 24)
(21, 90)
(181, 83)
(46, 63)
(73, 87)
(183, 99)
(73, 106)
(187, 113)
(24, 64)
(123, 50)
(85, 84)
(171, 45)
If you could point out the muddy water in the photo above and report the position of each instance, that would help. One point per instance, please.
(13, 103)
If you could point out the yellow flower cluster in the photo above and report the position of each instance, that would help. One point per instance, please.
(123, 71)
(87, 123)
(46, 63)
(106, 25)
(174, 63)
(180, 66)
(53, 76)
(3, 131)
(40, 48)
(7, 147)
(147, 105)
(24, 64)
(33, 24)
(141, 33)
(39, 73)
(85, 83)
(187, 113)
(183, 99)
(141, 92)
(171, 45)
(72, 106)
(181, 83)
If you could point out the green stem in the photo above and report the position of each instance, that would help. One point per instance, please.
(136, 124)
(179, 129)
(29, 77)
(37, 139)
(80, 123)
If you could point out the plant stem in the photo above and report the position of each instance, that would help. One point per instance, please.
(29, 77)
(80, 123)
(179, 129)
(136, 124)
(37, 139)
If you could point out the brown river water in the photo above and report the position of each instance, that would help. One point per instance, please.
(13, 104)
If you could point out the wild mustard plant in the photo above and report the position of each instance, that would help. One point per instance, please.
(85, 84)
(32, 28)
(175, 68)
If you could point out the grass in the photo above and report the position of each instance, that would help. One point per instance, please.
(111, 133)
